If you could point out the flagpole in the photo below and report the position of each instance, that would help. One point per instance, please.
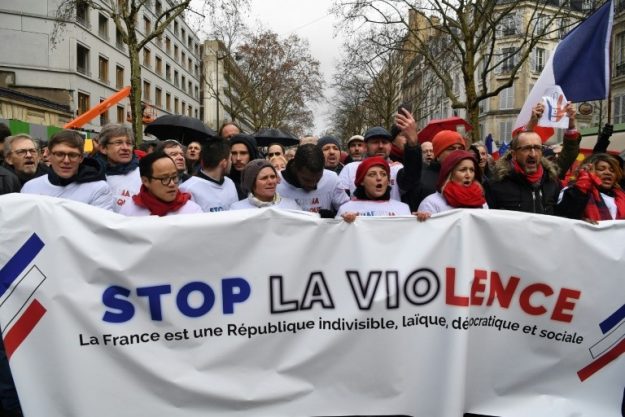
(609, 121)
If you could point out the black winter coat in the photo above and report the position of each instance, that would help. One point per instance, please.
(514, 192)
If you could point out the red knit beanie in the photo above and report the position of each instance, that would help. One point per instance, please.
(367, 163)
(444, 139)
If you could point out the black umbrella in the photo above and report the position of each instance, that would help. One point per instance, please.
(182, 128)
(265, 137)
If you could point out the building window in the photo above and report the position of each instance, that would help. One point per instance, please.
(540, 56)
(158, 8)
(190, 112)
(167, 45)
(190, 65)
(146, 90)
(175, 28)
(176, 105)
(176, 52)
(541, 24)
(82, 13)
(159, 65)
(507, 60)
(190, 43)
(158, 97)
(120, 114)
(167, 72)
(147, 25)
(103, 26)
(506, 99)
(619, 54)
(183, 35)
(83, 102)
(176, 78)
(82, 59)
(183, 82)
(168, 101)
(119, 77)
(505, 130)
(564, 28)
(147, 58)
(103, 69)
(190, 88)
(508, 25)
(119, 40)
(184, 107)
(104, 116)
(619, 109)
(183, 59)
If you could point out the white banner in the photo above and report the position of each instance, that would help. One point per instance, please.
(270, 313)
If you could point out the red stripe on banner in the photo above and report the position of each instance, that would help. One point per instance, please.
(23, 326)
(602, 361)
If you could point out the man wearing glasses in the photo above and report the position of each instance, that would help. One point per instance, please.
(71, 175)
(524, 180)
(22, 156)
(159, 194)
(121, 165)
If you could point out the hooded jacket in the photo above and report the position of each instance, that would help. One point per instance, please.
(509, 190)
(234, 175)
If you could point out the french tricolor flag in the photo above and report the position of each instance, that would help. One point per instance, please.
(580, 65)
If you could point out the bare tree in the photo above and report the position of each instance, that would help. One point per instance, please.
(272, 82)
(125, 14)
(462, 36)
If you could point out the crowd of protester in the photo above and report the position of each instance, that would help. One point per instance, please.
(378, 173)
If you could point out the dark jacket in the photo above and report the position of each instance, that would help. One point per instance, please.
(508, 190)
(42, 169)
(426, 184)
(9, 183)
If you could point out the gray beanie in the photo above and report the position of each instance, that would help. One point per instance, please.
(248, 178)
(328, 139)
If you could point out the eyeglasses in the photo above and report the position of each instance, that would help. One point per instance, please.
(529, 148)
(72, 156)
(168, 180)
(121, 143)
(23, 152)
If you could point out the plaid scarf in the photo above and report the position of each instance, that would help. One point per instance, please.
(597, 210)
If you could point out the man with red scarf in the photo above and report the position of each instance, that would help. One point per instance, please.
(159, 194)
(524, 180)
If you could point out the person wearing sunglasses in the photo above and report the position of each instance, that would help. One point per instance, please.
(159, 194)
(72, 176)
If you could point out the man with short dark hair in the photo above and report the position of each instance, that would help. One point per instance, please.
(210, 188)
(331, 148)
(120, 163)
(228, 130)
(243, 149)
(175, 151)
(71, 175)
(314, 188)
(159, 194)
(23, 157)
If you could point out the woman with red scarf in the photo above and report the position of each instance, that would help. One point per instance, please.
(159, 194)
(459, 186)
(596, 194)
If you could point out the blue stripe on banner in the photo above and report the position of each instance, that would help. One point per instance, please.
(580, 60)
(614, 319)
(18, 263)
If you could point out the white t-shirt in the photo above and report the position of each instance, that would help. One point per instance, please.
(375, 208)
(124, 187)
(132, 209)
(348, 176)
(284, 203)
(96, 193)
(209, 195)
(436, 203)
(327, 196)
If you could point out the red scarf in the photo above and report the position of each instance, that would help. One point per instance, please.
(597, 210)
(532, 178)
(459, 196)
(158, 207)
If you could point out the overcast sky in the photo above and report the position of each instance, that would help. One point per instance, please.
(311, 20)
